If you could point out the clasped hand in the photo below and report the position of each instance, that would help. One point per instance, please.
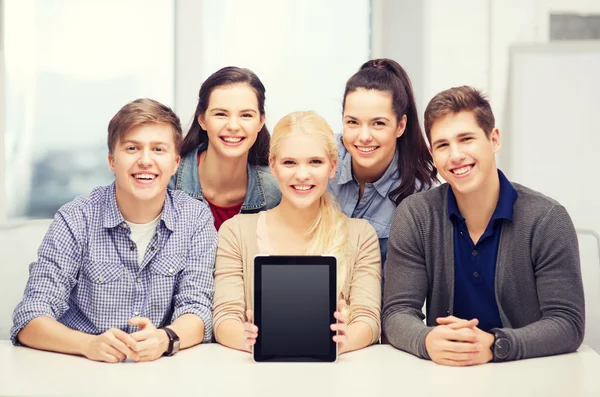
(459, 342)
(115, 345)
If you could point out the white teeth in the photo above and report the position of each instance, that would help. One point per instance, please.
(144, 176)
(229, 139)
(366, 149)
(302, 187)
(462, 170)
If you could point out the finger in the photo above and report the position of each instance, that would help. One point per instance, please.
(340, 338)
(124, 337)
(340, 305)
(141, 322)
(112, 351)
(149, 357)
(108, 358)
(459, 335)
(143, 335)
(447, 320)
(464, 324)
(459, 347)
(118, 345)
(249, 315)
(454, 363)
(250, 327)
(340, 327)
(250, 335)
(340, 317)
(147, 344)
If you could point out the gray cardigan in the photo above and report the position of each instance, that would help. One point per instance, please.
(538, 277)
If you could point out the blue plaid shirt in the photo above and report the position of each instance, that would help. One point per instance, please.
(87, 274)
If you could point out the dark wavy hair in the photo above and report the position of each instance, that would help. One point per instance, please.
(259, 152)
(415, 164)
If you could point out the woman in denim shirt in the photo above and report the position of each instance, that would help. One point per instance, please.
(225, 153)
(382, 154)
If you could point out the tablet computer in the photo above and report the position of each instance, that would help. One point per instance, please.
(294, 301)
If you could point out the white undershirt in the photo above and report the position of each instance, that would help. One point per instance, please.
(141, 235)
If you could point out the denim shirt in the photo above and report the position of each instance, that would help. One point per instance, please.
(375, 206)
(262, 192)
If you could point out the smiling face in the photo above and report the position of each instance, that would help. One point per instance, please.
(370, 130)
(143, 161)
(462, 153)
(302, 167)
(232, 120)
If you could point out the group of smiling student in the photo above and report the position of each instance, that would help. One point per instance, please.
(137, 270)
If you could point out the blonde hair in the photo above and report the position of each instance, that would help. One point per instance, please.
(328, 232)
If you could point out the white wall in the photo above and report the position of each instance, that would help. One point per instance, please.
(445, 43)
(2, 178)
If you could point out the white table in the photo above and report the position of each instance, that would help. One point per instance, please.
(213, 370)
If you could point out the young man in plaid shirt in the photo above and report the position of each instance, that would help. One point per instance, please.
(127, 270)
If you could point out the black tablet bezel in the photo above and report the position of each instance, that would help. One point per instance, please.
(283, 260)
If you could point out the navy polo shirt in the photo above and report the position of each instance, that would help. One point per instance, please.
(475, 264)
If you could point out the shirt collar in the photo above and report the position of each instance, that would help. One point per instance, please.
(504, 207)
(189, 182)
(112, 216)
(383, 185)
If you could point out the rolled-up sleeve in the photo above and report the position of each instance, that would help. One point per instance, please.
(52, 277)
(196, 285)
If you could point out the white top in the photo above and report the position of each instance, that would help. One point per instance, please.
(215, 370)
(141, 235)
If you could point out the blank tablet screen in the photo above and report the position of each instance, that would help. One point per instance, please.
(295, 312)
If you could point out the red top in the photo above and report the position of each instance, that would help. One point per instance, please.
(221, 214)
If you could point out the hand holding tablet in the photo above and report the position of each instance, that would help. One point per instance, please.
(341, 326)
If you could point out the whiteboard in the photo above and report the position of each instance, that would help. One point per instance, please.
(552, 140)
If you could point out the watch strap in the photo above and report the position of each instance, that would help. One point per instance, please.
(173, 341)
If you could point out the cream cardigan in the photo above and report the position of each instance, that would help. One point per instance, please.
(234, 271)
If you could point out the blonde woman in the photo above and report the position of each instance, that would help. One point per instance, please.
(308, 221)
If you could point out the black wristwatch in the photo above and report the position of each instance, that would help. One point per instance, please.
(173, 342)
(501, 346)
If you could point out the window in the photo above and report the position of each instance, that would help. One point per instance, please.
(69, 67)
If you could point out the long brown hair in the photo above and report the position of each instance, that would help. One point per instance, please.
(259, 152)
(415, 164)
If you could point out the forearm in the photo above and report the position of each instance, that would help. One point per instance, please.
(407, 333)
(360, 335)
(546, 337)
(190, 329)
(230, 333)
(46, 333)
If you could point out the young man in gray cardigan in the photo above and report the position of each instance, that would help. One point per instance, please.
(497, 263)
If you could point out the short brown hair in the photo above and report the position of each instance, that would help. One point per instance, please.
(141, 112)
(456, 100)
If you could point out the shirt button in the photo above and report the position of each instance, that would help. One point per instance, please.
(132, 248)
(475, 274)
(136, 313)
(152, 248)
(100, 279)
(171, 270)
(139, 279)
(124, 225)
(474, 253)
